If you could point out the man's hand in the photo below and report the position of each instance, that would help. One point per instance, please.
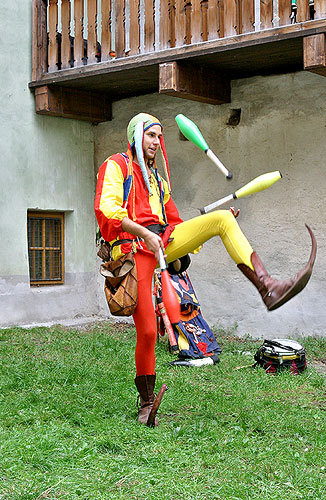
(152, 241)
(233, 212)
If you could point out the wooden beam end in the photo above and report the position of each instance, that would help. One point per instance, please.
(195, 83)
(78, 104)
(314, 54)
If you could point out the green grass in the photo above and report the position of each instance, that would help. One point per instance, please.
(68, 426)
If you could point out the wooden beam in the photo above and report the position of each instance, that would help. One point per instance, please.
(314, 54)
(73, 103)
(193, 82)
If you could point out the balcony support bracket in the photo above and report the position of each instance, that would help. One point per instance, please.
(314, 54)
(79, 104)
(193, 82)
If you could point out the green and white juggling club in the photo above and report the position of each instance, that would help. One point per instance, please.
(193, 134)
(258, 184)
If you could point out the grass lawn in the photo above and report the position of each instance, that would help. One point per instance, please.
(68, 426)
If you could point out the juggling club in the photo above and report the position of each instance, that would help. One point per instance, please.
(193, 134)
(258, 184)
(170, 298)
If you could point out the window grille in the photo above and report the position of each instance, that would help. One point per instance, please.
(45, 247)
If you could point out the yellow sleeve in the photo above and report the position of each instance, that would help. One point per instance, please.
(112, 192)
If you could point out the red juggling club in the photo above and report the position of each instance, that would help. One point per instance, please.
(170, 298)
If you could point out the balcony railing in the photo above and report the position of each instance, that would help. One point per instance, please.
(83, 32)
(88, 53)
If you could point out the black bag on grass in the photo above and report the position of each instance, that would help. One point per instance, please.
(279, 354)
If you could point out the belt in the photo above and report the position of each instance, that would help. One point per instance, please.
(157, 228)
(120, 242)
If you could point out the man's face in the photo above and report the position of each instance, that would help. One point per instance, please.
(151, 141)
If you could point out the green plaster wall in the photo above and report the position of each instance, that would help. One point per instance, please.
(46, 164)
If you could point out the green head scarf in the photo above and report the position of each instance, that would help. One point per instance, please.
(135, 133)
(146, 119)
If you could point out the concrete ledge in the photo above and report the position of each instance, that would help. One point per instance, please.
(21, 304)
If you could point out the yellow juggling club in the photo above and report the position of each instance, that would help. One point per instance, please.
(258, 184)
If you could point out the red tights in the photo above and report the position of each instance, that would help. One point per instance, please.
(144, 316)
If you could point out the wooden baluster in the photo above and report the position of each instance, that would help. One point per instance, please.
(266, 14)
(220, 4)
(165, 25)
(53, 44)
(196, 21)
(248, 16)
(230, 18)
(172, 21)
(188, 23)
(239, 17)
(284, 7)
(303, 11)
(119, 28)
(134, 27)
(320, 9)
(213, 20)
(79, 37)
(149, 25)
(92, 35)
(65, 34)
(180, 22)
(106, 29)
(40, 40)
(204, 7)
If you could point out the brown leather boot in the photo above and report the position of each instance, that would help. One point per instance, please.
(145, 385)
(276, 293)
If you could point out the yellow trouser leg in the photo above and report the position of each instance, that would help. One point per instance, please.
(194, 232)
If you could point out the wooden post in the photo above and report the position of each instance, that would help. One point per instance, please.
(230, 18)
(134, 27)
(165, 25)
(193, 82)
(314, 54)
(65, 34)
(213, 23)
(266, 14)
(85, 105)
(92, 35)
(180, 23)
(53, 45)
(196, 21)
(79, 32)
(40, 43)
(284, 12)
(220, 4)
(119, 29)
(248, 16)
(106, 30)
(204, 7)
(320, 9)
(188, 23)
(239, 17)
(303, 11)
(149, 26)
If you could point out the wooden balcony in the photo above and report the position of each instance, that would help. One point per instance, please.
(88, 53)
